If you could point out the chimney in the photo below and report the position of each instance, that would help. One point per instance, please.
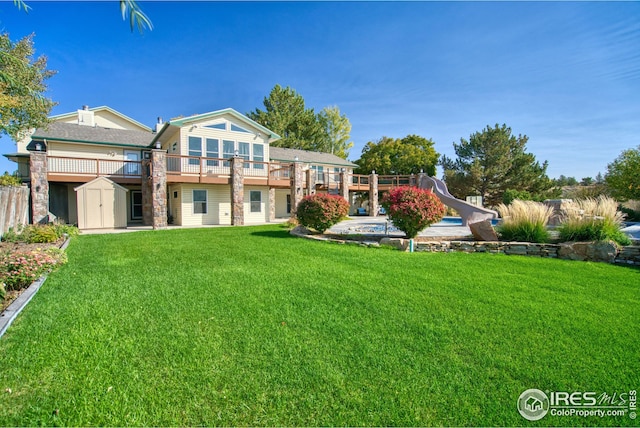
(86, 117)
(160, 124)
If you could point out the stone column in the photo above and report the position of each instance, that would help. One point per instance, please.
(39, 187)
(237, 191)
(422, 182)
(158, 189)
(147, 193)
(373, 194)
(272, 204)
(311, 182)
(297, 186)
(345, 180)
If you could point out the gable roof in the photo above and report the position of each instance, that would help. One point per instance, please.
(74, 114)
(212, 115)
(289, 155)
(69, 132)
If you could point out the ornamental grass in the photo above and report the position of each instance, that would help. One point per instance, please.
(593, 219)
(524, 221)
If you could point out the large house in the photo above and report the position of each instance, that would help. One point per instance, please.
(99, 168)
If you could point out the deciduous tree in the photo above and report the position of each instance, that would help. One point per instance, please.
(129, 9)
(23, 104)
(337, 129)
(410, 155)
(623, 175)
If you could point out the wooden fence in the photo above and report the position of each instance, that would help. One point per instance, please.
(14, 207)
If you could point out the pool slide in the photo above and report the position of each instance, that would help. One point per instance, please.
(470, 213)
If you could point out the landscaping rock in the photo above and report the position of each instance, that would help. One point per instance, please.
(399, 243)
(591, 251)
(483, 231)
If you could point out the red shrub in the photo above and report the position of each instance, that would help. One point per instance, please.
(321, 211)
(412, 209)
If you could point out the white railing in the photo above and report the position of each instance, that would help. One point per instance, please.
(94, 167)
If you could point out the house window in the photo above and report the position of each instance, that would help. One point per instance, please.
(212, 151)
(222, 126)
(195, 149)
(319, 169)
(258, 155)
(199, 201)
(228, 147)
(256, 201)
(237, 128)
(243, 152)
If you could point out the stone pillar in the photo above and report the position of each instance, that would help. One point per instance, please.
(422, 182)
(311, 181)
(237, 191)
(345, 180)
(272, 204)
(158, 181)
(147, 193)
(297, 186)
(39, 187)
(373, 194)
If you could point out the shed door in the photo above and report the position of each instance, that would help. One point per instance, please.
(100, 208)
(93, 208)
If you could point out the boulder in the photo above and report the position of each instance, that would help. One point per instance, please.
(483, 231)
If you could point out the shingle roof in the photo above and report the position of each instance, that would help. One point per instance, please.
(289, 155)
(93, 134)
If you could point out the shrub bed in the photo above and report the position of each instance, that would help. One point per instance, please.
(19, 269)
(412, 209)
(321, 211)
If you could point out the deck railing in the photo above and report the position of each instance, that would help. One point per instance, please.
(94, 167)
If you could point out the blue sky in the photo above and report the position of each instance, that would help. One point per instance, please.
(566, 74)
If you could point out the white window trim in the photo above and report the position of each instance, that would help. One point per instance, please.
(193, 201)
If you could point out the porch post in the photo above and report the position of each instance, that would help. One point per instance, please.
(373, 194)
(272, 204)
(159, 188)
(345, 180)
(39, 187)
(311, 182)
(297, 186)
(237, 191)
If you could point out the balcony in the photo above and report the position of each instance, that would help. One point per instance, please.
(79, 170)
(193, 169)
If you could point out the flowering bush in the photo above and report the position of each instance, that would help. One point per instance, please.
(321, 211)
(19, 270)
(412, 209)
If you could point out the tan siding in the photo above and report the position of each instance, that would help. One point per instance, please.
(263, 215)
(218, 205)
(281, 203)
(84, 151)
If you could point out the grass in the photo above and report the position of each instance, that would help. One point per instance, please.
(524, 221)
(593, 220)
(249, 326)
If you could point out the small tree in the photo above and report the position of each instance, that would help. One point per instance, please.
(321, 211)
(412, 209)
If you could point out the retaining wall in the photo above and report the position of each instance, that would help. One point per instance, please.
(587, 251)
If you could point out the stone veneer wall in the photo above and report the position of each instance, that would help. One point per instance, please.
(586, 251)
(39, 187)
(158, 189)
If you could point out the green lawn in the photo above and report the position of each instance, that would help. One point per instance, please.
(249, 326)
